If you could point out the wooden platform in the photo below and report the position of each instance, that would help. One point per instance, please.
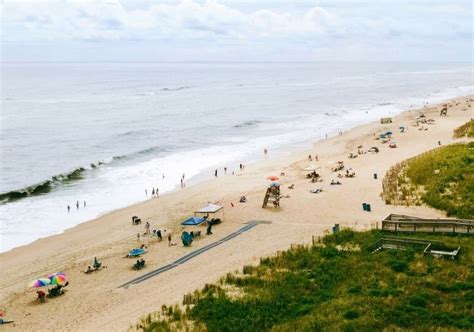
(402, 223)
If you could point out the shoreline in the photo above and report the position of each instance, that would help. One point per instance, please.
(254, 158)
(302, 214)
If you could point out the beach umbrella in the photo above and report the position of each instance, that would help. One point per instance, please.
(41, 282)
(136, 252)
(58, 278)
(273, 178)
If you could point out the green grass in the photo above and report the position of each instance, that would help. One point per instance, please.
(466, 130)
(442, 178)
(324, 288)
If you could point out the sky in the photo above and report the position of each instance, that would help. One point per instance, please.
(230, 30)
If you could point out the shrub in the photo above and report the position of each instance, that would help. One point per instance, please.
(351, 314)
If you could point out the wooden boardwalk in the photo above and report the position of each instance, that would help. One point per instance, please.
(402, 223)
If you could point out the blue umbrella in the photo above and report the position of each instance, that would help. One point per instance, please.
(136, 252)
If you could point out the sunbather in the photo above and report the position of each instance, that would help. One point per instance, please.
(41, 296)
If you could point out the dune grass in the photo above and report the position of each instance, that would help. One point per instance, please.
(466, 130)
(338, 286)
(442, 178)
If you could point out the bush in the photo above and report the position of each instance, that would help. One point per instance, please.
(321, 288)
(351, 314)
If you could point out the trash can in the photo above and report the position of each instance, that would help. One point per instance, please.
(375, 176)
(335, 228)
(367, 207)
(364, 206)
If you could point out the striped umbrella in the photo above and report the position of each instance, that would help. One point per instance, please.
(58, 278)
(41, 282)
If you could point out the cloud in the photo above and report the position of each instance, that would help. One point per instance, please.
(268, 25)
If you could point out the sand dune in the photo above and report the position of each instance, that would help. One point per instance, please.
(95, 302)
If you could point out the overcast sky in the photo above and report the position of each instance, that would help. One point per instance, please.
(230, 30)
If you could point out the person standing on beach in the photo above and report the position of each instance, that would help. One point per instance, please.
(84, 203)
(163, 175)
(225, 170)
(265, 151)
(146, 193)
(77, 205)
(169, 239)
(157, 192)
(68, 209)
(215, 173)
(240, 167)
(153, 191)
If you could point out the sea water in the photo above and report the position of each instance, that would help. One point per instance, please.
(104, 132)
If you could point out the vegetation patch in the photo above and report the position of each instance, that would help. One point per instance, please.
(322, 288)
(466, 130)
(442, 178)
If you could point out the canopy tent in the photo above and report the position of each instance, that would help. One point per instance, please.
(208, 209)
(193, 221)
(310, 168)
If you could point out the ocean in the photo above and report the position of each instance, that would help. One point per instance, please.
(105, 132)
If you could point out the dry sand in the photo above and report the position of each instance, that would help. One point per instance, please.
(93, 302)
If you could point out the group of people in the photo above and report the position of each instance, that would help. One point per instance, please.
(140, 264)
(316, 158)
(77, 206)
(154, 193)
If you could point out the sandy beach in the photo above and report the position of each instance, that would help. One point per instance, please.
(95, 302)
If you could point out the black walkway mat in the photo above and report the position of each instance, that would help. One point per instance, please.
(187, 257)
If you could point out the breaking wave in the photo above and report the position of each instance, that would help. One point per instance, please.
(77, 174)
(177, 89)
(247, 124)
(43, 187)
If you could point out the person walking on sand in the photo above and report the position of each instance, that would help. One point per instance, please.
(169, 239)
(147, 228)
(215, 173)
(77, 205)
(157, 192)
(153, 191)
(68, 209)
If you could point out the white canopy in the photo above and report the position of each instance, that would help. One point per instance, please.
(209, 208)
(310, 168)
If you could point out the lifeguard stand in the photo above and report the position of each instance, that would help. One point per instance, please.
(272, 195)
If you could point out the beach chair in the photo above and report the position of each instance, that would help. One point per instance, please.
(187, 239)
(136, 220)
(140, 264)
(96, 264)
